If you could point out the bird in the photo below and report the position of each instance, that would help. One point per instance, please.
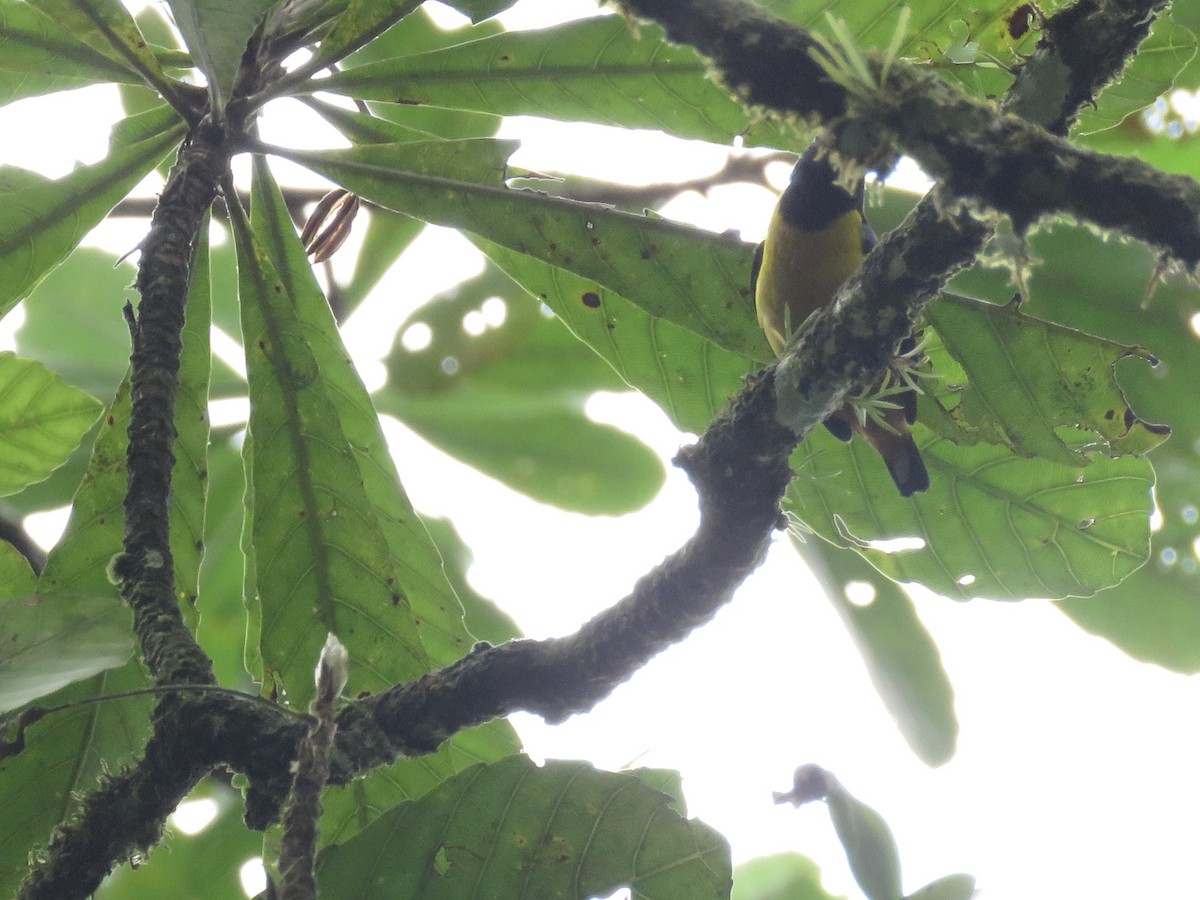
(817, 238)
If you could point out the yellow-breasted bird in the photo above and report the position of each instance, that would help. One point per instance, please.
(817, 239)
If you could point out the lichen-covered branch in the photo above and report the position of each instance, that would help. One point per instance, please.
(145, 568)
(994, 158)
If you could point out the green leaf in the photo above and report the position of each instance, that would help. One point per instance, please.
(67, 751)
(395, 610)
(107, 27)
(949, 887)
(16, 575)
(42, 419)
(510, 401)
(364, 128)
(222, 630)
(216, 32)
(87, 343)
(783, 876)
(991, 525)
(697, 280)
(42, 221)
(864, 835)
(48, 645)
(1151, 73)
(562, 830)
(597, 70)
(868, 842)
(1094, 284)
(898, 651)
(939, 35)
(323, 565)
(1029, 377)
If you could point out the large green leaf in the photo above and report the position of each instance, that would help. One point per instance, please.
(1096, 285)
(899, 653)
(516, 830)
(598, 70)
(42, 419)
(510, 401)
(401, 615)
(697, 280)
(323, 565)
(42, 221)
(46, 646)
(216, 32)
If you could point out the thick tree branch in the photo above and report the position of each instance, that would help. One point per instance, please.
(997, 159)
(146, 568)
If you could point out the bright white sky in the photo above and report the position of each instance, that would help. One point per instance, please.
(1076, 774)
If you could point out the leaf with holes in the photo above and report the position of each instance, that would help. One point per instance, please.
(689, 377)
(1027, 379)
(698, 280)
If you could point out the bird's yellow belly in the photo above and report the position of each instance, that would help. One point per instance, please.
(802, 271)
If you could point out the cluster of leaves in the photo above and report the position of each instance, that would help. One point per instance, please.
(301, 526)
